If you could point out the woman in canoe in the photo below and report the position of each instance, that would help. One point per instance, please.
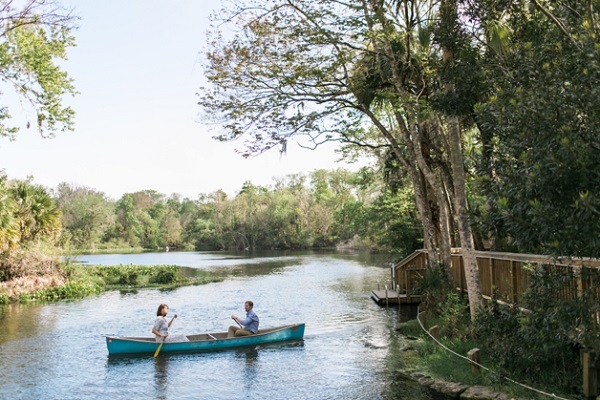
(161, 326)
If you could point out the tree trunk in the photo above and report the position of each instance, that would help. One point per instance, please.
(464, 224)
(437, 186)
(448, 15)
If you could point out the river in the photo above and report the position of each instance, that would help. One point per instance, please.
(350, 350)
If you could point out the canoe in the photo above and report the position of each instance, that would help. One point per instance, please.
(203, 342)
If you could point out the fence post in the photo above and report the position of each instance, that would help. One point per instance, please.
(475, 356)
(514, 281)
(386, 296)
(589, 360)
(492, 278)
(407, 285)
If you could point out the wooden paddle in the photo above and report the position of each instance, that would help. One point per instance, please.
(163, 341)
(236, 321)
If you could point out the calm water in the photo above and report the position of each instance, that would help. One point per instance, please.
(350, 351)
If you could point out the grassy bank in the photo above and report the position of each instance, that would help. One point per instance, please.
(446, 361)
(77, 281)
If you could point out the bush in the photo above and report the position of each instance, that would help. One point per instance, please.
(166, 275)
(128, 276)
(537, 342)
(37, 259)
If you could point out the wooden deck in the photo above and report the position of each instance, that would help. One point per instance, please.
(383, 297)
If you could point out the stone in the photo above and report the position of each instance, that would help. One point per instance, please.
(451, 389)
(483, 393)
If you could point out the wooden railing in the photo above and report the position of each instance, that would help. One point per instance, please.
(503, 275)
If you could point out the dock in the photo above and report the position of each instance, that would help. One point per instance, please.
(383, 297)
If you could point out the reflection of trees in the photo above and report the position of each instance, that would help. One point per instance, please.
(250, 269)
(20, 321)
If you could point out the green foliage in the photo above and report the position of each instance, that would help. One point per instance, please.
(535, 343)
(67, 291)
(87, 215)
(85, 281)
(127, 275)
(36, 212)
(436, 288)
(540, 127)
(33, 36)
(539, 343)
(445, 365)
(137, 276)
(166, 275)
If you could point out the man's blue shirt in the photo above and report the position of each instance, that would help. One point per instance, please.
(251, 322)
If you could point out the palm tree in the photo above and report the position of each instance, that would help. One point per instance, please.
(36, 213)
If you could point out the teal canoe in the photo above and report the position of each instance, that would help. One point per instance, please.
(204, 342)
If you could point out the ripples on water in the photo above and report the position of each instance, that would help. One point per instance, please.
(57, 351)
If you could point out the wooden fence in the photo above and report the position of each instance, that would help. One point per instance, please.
(503, 275)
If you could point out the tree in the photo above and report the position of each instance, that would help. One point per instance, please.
(129, 228)
(364, 73)
(9, 232)
(539, 125)
(86, 213)
(33, 34)
(37, 215)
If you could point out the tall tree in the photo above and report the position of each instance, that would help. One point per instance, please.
(37, 214)
(329, 70)
(86, 214)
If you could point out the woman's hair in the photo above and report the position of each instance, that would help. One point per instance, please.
(160, 308)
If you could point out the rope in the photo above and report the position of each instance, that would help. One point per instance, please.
(481, 366)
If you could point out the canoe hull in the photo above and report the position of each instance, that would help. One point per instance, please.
(204, 342)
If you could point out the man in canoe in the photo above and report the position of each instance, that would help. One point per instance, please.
(247, 326)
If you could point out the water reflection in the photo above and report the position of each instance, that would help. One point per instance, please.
(161, 377)
(350, 351)
(21, 321)
(250, 373)
(250, 354)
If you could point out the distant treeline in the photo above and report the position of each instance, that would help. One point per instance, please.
(321, 209)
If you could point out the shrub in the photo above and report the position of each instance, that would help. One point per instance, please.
(536, 342)
(128, 276)
(165, 275)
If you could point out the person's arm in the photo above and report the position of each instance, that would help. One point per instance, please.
(251, 316)
(171, 321)
(157, 333)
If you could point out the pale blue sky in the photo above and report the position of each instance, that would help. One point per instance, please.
(136, 68)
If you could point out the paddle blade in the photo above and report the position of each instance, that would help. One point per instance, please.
(158, 349)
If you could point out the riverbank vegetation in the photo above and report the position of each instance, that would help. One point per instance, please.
(530, 350)
(75, 281)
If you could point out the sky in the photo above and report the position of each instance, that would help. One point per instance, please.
(137, 68)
